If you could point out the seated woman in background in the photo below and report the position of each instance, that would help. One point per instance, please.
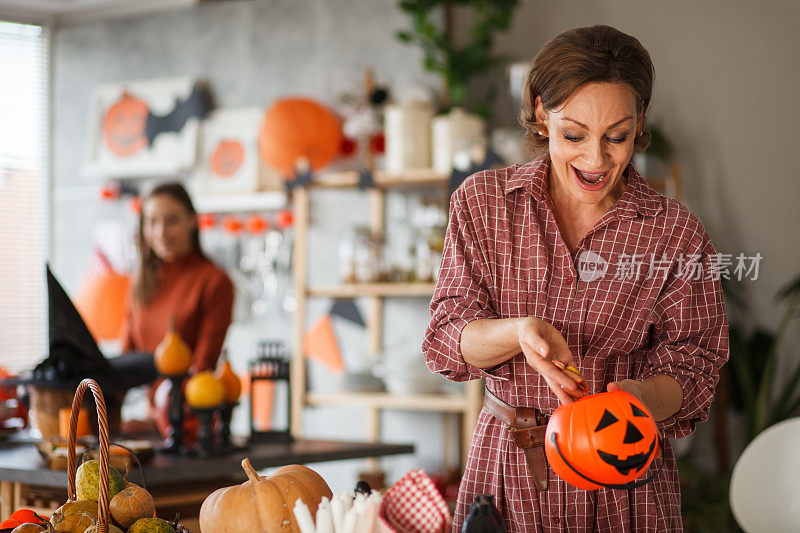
(175, 279)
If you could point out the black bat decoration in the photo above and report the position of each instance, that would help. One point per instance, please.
(198, 104)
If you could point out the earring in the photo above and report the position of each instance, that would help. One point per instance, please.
(540, 130)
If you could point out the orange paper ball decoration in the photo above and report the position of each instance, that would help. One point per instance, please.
(102, 301)
(124, 126)
(602, 440)
(295, 128)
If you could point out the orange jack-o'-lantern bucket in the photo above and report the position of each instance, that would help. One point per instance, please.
(602, 440)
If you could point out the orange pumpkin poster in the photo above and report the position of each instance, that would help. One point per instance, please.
(124, 125)
(145, 128)
(227, 158)
(229, 162)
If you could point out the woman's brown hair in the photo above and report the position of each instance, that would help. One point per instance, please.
(580, 56)
(146, 280)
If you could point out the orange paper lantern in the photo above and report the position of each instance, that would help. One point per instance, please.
(295, 128)
(602, 440)
(102, 301)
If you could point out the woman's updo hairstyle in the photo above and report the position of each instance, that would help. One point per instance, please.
(580, 56)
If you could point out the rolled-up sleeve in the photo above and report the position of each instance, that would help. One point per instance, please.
(690, 338)
(461, 296)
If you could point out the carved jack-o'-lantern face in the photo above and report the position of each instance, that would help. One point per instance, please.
(226, 158)
(607, 439)
(124, 126)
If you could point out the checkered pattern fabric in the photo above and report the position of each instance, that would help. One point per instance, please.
(413, 505)
(504, 257)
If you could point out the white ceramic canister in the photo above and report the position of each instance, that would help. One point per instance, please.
(408, 136)
(457, 130)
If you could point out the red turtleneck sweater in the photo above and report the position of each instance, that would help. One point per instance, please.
(200, 296)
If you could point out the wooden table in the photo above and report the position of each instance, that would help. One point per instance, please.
(176, 482)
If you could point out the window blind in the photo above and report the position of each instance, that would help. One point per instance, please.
(23, 182)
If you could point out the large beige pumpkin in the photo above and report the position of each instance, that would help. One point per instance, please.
(263, 504)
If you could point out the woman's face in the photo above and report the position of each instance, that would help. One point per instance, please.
(167, 227)
(591, 142)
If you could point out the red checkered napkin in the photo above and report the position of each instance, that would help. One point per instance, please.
(413, 505)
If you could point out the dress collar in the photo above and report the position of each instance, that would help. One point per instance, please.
(639, 197)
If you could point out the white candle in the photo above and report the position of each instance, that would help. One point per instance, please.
(348, 501)
(324, 517)
(338, 509)
(350, 520)
(368, 521)
(303, 517)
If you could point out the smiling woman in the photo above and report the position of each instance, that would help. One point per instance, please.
(513, 305)
(175, 281)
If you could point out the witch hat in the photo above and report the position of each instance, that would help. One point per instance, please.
(74, 354)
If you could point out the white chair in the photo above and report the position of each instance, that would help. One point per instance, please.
(765, 485)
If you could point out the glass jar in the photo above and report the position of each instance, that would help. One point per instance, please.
(347, 257)
(368, 256)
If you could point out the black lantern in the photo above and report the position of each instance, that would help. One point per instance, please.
(269, 389)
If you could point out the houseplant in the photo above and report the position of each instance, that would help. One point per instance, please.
(458, 64)
(756, 391)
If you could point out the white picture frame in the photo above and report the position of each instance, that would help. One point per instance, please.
(171, 154)
(231, 131)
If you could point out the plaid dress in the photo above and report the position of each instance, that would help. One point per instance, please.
(639, 296)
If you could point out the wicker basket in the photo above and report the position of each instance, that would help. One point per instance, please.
(102, 424)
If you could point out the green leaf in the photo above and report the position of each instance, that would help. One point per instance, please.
(790, 290)
(742, 389)
(790, 388)
(404, 36)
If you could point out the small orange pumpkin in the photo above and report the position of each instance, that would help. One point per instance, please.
(295, 128)
(124, 126)
(602, 440)
(204, 390)
(263, 503)
(131, 504)
(172, 356)
(231, 382)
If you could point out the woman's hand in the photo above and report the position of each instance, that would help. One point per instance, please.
(542, 344)
(662, 394)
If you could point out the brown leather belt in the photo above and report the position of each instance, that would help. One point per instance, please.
(527, 427)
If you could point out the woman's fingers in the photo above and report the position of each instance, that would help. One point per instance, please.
(573, 373)
(563, 396)
(547, 352)
(561, 384)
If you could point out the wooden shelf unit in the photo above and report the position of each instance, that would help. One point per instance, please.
(357, 290)
(466, 406)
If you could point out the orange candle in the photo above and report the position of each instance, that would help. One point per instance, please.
(63, 423)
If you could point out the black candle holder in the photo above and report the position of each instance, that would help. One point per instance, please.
(225, 414)
(206, 446)
(174, 443)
